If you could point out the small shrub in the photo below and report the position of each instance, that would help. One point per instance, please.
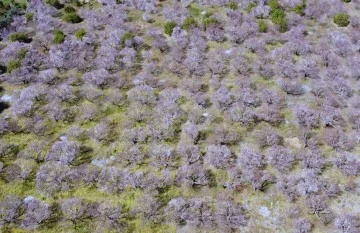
(12, 65)
(59, 36)
(69, 9)
(342, 19)
(273, 4)
(169, 27)
(233, 5)
(262, 26)
(79, 34)
(250, 6)
(21, 54)
(29, 16)
(72, 17)
(299, 9)
(55, 3)
(283, 26)
(6, 15)
(207, 21)
(126, 36)
(19, 36)
(194, 11)
(277, 16)
(346, 1)
(188, 23)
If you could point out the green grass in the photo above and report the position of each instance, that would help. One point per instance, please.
(29, 16)
(262, 26)
(13, 65)
(59, 36)
(194, 10)
(169, 27)
(273, 4)
(22, 53)
(126, 36)
(278, 16)
(69, 9)
(299, 9)
(188, 23)
(232, 5)
(250, 6)
(79, 34)
(55, 3)
(19, 36)
(72, 17)
(207, 21)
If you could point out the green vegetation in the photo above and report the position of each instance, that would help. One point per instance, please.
(169, 27)
(299, 9)
(55, 3)
(278, 15)
(194, 10)
(188, 23)
(250, 6)
(12, 65)
(283, 26)
(29, 16)
(21, 54)
(59, 36)
(262, 26)
(10, 8)
(79, 34)
(7, 14)
(69, 9)
(126, 36)
(342, 19)
(19, 36)
(346, 1)
(273, 4)
(72, 17)
(232, 5)
(207, 21)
